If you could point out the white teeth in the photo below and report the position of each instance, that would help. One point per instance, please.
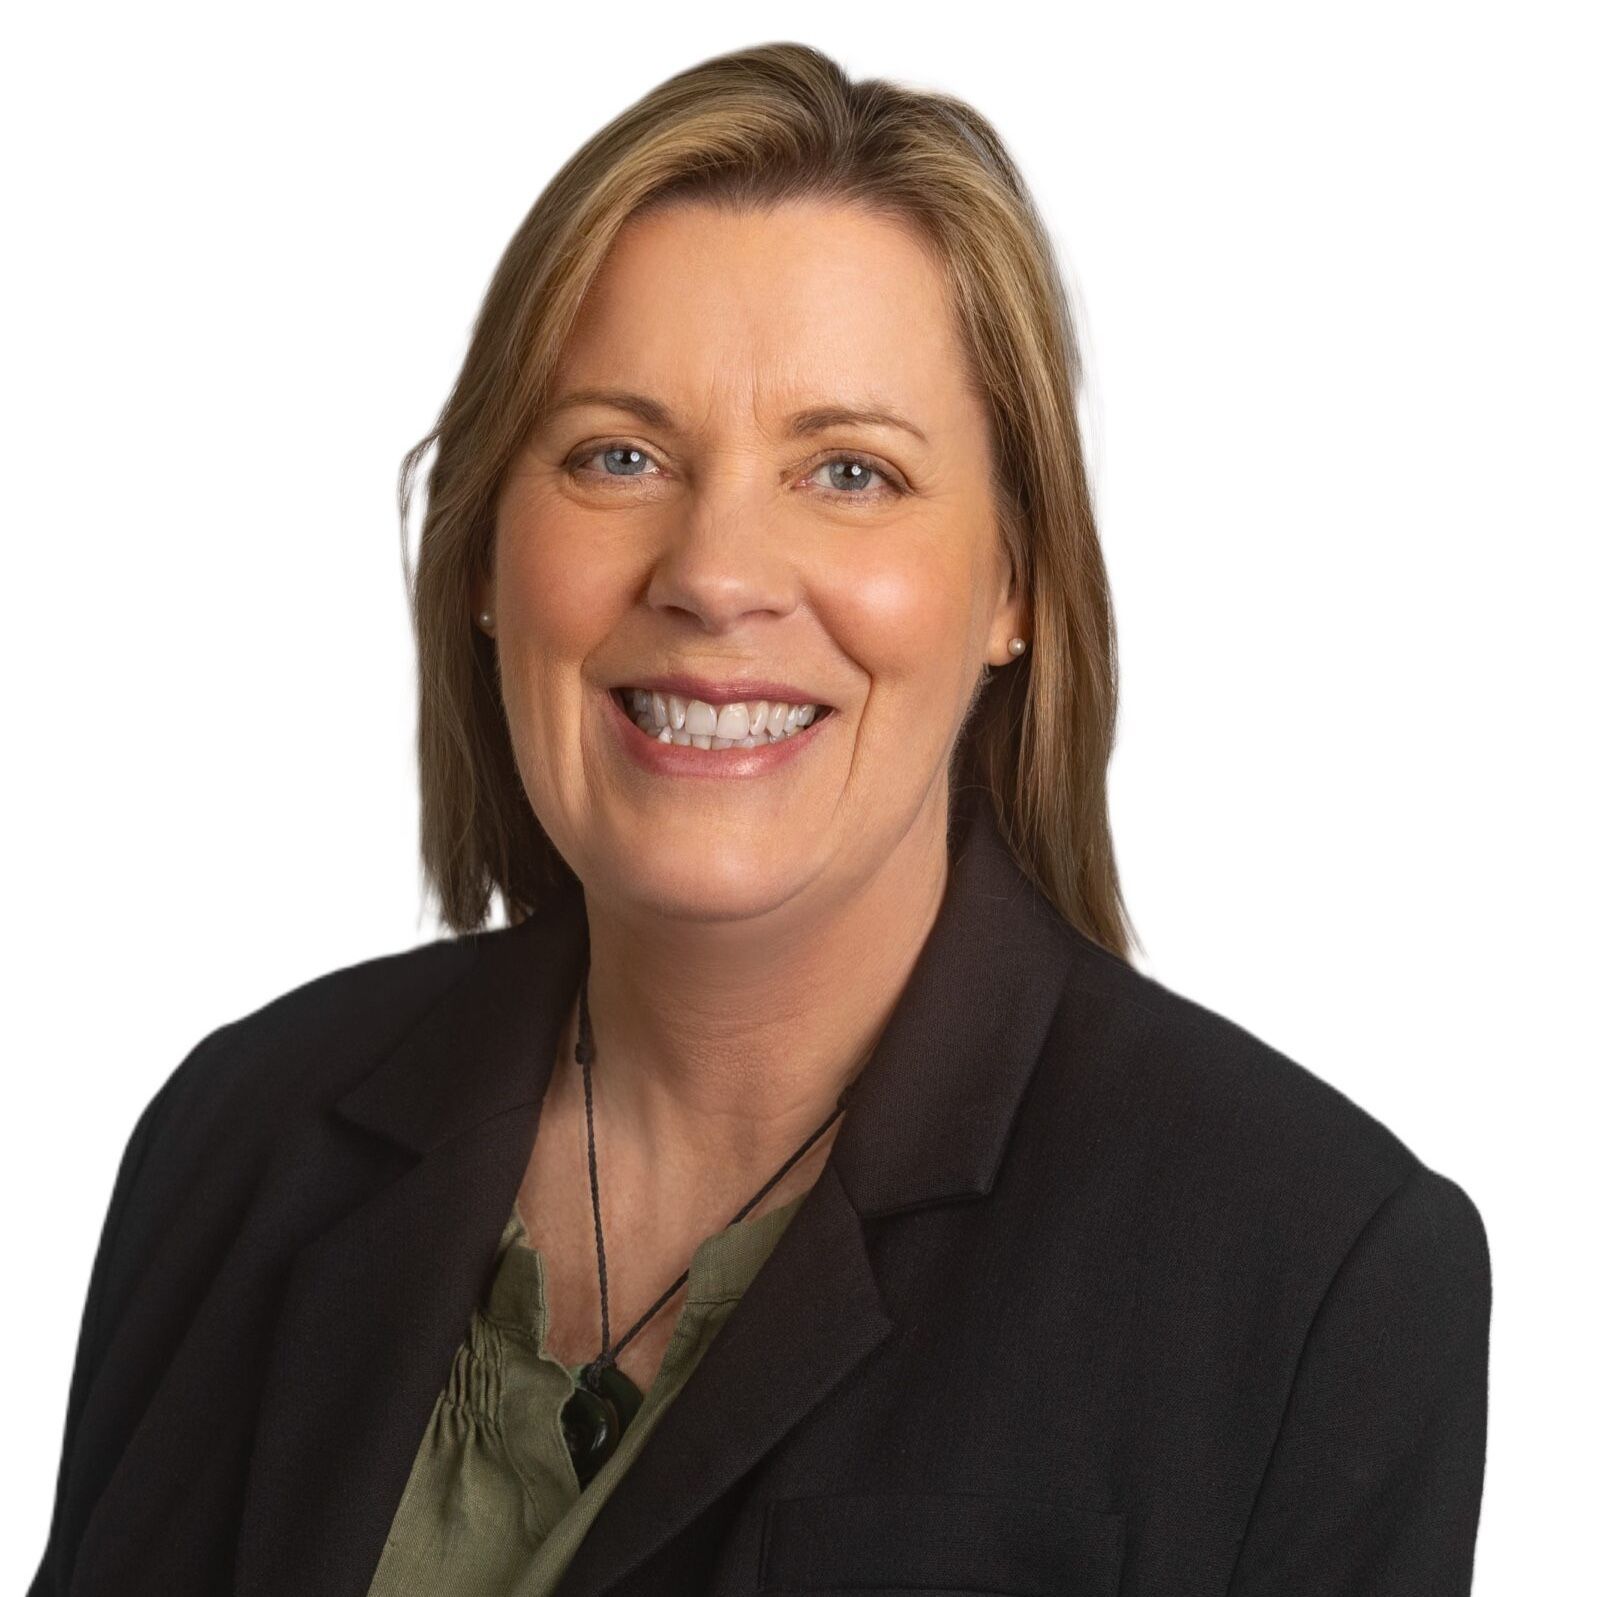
(670, 719)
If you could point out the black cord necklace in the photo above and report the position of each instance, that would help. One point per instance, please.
(605, 1400)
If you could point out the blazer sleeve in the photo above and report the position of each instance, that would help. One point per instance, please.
(66, 1522)
(1374, 1482)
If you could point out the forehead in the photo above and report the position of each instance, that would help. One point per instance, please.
(723, 312)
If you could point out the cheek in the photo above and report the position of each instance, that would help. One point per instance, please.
(905, 622)
(549, 590)
(555, 608)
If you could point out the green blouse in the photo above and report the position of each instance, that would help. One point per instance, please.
(493, 1506)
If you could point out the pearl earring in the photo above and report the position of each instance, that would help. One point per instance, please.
(1017, 645)
(485, 620)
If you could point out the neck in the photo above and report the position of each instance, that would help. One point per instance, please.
(720, 1046)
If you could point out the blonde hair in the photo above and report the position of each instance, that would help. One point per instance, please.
(750, 129)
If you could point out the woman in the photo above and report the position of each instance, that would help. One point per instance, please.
(803, 1191)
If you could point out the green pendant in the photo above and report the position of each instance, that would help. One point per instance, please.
(593, 1422)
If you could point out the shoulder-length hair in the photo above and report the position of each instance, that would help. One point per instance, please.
(754, 128)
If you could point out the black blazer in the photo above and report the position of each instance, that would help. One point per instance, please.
(1097, 1293)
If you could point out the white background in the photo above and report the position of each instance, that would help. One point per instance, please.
(1335, 272)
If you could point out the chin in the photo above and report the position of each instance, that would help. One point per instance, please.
(705, 890)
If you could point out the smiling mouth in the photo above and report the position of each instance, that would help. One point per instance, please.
(745, 724)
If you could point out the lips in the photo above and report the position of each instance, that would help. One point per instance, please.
(694, 755)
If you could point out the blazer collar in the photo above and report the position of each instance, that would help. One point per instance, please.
(933, 1108)
(377, 1301)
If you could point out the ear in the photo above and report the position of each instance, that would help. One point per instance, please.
(1013, 617)
(482, 599)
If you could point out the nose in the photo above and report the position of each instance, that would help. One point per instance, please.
(720, 562)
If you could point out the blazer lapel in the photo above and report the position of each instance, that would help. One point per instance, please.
(378, 1302)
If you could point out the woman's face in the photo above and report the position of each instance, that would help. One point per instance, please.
(721, 526)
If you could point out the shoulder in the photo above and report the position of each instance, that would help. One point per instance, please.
(197, 1153)
(298, 1051)
(1222, 1135)
(365, 1004)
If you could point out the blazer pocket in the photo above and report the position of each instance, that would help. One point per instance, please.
(939, 1542)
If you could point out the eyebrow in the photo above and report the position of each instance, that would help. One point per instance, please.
(814, 419)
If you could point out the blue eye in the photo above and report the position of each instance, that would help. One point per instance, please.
(627, 456)
(856, 470)
(848, 474)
